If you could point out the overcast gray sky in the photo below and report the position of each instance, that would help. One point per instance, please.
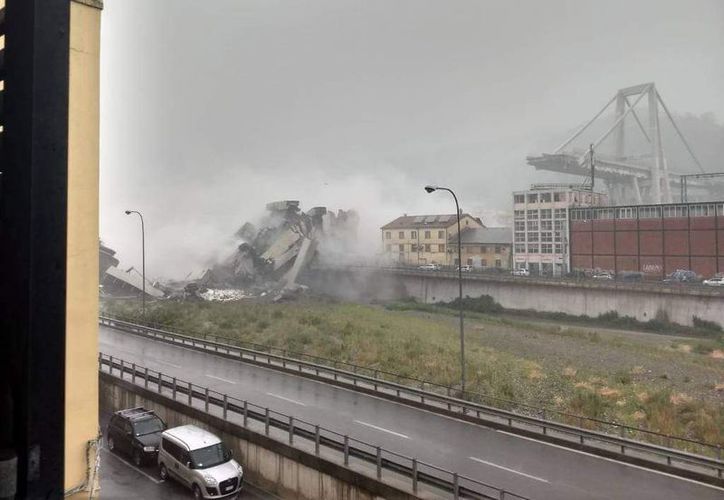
(211, 108)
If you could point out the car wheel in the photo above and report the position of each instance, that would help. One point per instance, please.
(197, 493)
(137, 458)
(163, 472)
(111, 444)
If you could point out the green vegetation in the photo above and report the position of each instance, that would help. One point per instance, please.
(651, 382)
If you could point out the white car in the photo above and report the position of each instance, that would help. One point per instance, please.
(429, 267)
(465, 269)
(521, 272)
(715, 281)
(200, 461)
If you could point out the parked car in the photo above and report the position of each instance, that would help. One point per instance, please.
(682, 276)
(135, 432)
(199, 460)
(429, 267)
(714, 281)
(520, 272)
(603, 275)
(465, 269)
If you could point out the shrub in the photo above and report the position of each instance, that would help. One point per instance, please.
(702, 348)
(706, 326)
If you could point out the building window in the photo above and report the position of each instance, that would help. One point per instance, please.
(532, 225)
(675, 211)
(559, 248)
(519, 214)
(532, 215)
(413, 235)
(483, 262)
(483, 249)
(498, 263)
(546, 213)
(441, 234)
(559, 225)
(402, 247)
(441, 248)
(546, 236)
(560, 213)
(626, 213)
(533, 236)
(519, 237)
(545, 197)
(533, 198)
(388, 235)
(559, 196)
(546, 248)
(401, 235)
(720, 209)
(413, 247)
(519, 198)
(649, 212)
(533, 248)
(546, 225)
(498, 249)
(519, 225)
(519, 248)
(603, 213)
(470, 262)
(427, 247)
(558, 236)
(427, 235)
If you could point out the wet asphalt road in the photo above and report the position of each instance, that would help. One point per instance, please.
(521, 465)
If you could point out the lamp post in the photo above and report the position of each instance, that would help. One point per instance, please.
(143, 259)
(430, 189)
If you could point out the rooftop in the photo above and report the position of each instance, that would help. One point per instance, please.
(422, 221)
(486, 236)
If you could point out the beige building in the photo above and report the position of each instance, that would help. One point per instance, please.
(540, 225)
(415, 240)
(484, 248)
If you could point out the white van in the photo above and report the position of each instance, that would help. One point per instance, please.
(199, 460)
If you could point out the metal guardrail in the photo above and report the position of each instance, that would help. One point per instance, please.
(620, 445)
(340, 447)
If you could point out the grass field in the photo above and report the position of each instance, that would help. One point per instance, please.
(670, 384)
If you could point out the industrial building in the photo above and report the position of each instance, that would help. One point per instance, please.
(540, 225)
(653, 239)
(423, 239)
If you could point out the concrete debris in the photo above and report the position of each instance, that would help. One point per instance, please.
(271, 255)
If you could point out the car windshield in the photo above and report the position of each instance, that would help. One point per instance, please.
(147, 426)
(210, 456)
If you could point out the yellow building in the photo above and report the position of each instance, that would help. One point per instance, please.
(49, 154)
(484, 248)
(415, 240)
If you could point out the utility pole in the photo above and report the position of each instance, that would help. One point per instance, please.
(593, 167)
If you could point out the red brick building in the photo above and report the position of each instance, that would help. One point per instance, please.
(653, 239)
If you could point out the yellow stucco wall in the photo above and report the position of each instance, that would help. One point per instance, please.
(81, 383)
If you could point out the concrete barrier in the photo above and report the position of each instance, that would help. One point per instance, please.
(269, 464)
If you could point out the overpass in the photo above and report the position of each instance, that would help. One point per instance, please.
(533, 468)
(643, 301)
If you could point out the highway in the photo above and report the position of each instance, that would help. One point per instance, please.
(522, 465)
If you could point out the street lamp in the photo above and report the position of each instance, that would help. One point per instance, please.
(431, 189)
(143, 259)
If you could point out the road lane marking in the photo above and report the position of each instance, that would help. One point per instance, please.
(221, 379)
(127, 464)
(617, 462)
(286, 399)
(382, 429)
(169, 364)
(509, 470)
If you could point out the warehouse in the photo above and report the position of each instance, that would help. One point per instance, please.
(653, 239)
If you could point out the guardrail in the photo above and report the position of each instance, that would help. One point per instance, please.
(342, 447)
(361, 376)
(618, 447)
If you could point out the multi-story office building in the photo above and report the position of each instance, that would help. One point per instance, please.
(423, 239)
(540, 225)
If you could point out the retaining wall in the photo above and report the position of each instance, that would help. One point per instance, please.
(269, 464)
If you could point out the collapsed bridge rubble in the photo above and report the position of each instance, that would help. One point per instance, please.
(270, 255)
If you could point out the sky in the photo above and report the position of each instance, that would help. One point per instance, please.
(211, 109)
